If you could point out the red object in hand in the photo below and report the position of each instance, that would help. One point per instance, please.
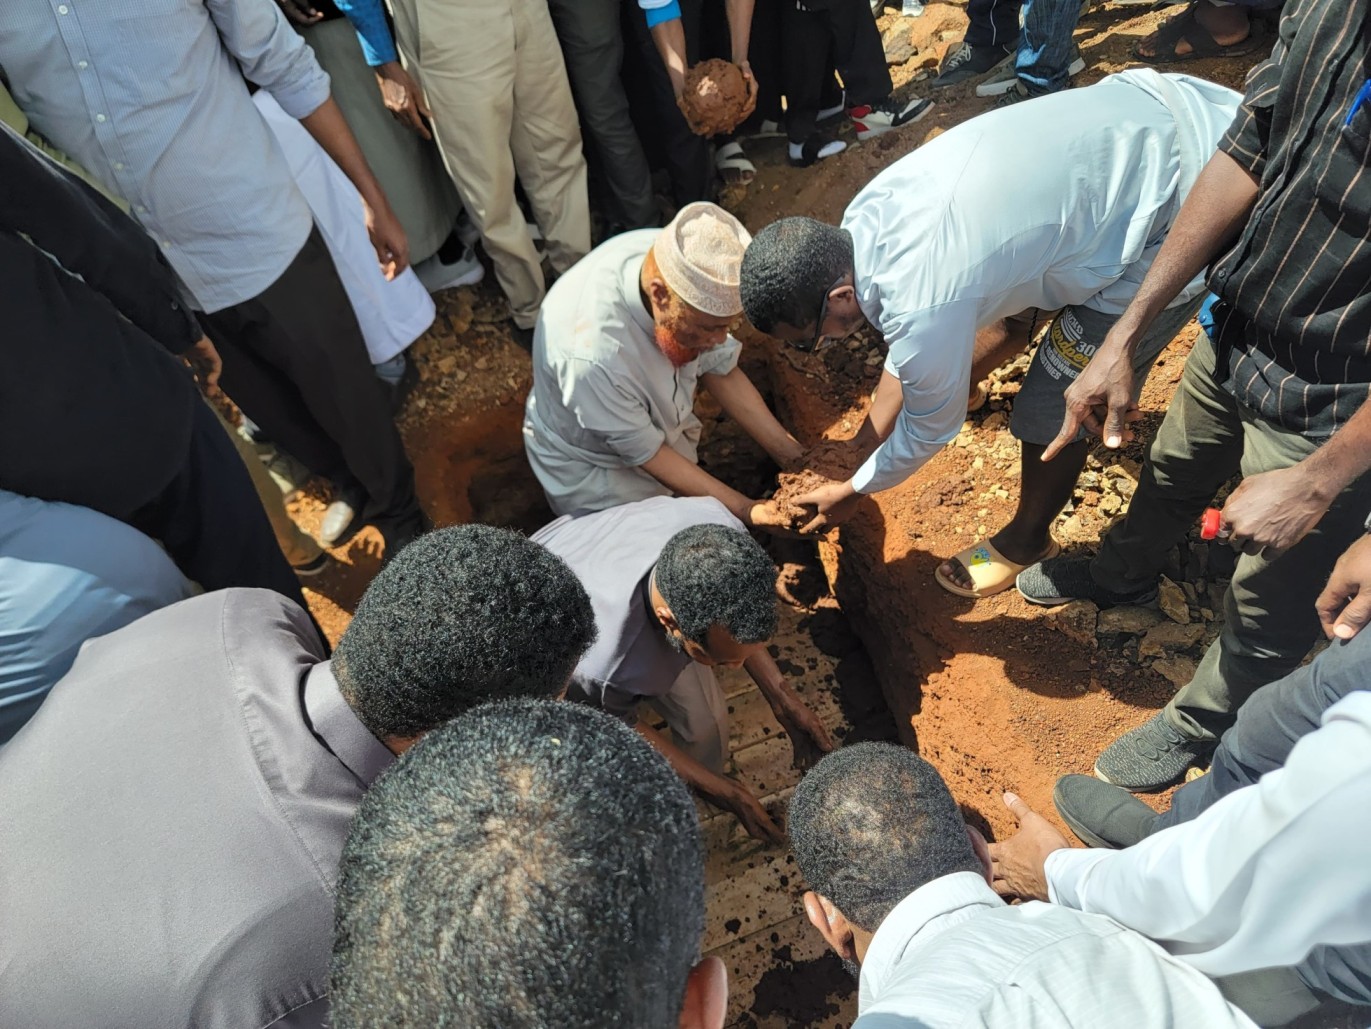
(1210, 522)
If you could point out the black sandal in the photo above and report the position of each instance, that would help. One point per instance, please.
(1185, 26)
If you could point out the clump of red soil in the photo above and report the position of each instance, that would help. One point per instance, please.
(717, 97)
(832, 459)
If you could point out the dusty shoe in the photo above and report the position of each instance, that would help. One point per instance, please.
(343, 518)
(1058, 580)
(1100, 814)
(879, 118)
(1153, 755)
(436, 274)
(964, 62)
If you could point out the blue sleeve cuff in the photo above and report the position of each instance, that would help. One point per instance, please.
(368, 18)
(657, 15)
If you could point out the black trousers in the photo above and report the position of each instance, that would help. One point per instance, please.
(210, 521)
(296, 363)
(821, 35)
(993, 22)
(593, 45)
(688, 158)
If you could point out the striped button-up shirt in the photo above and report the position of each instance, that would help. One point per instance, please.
(149, 96)
(1294, 324)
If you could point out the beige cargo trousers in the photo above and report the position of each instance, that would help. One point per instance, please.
(493, 75)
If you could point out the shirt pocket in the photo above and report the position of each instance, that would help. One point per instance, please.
(1345, 185)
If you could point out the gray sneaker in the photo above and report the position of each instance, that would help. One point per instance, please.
(1061, 579)
(1151, 756)
(1100, 814)
(1009, 78)
(965, 62)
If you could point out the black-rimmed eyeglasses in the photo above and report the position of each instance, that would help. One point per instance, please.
(819, 341)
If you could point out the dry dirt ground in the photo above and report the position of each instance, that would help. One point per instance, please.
(998, 694)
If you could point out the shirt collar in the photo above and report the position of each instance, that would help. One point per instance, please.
(928, 911)
(341, 730)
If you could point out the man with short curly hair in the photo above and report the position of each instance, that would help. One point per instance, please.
(529, 864)
(206, 761)
(899, 888)
(679, 588)
(955, 272)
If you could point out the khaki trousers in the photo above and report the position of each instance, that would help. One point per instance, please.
(1269, 620)
(495, 80)
(697, 715)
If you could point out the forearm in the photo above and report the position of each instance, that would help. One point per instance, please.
(772, 684)
(1209, 220)
(739, 27)
(330, 130)
(740, 401)
(880, 420)
(670, 39)
(710, 785)
(686, 479)
(1343, 459)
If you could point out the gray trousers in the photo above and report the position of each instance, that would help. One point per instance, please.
(1269, 623)
(1268, 726)
(697, 715)
(593, 46)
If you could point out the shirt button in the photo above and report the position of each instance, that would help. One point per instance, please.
(83, 65)
(140, 209)
(62, 9)
(100, 117)
(118, 165)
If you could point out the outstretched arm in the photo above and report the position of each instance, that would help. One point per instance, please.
(717, 789)
(808, 738)
(740, 400)
(1209, 220)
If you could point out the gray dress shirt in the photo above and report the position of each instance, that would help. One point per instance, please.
(172, 821)
(612, 552)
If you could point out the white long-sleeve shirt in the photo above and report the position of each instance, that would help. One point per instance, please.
(1062, 201)
(953, 954)
(1264, 875)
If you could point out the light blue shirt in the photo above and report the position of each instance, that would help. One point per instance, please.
(953, 955)
(943, 248)
(148, 96)
(67, 574)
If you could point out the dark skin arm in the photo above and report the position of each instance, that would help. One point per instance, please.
(1344, 606)
(330, 130)
(1019, 863)
(1101, 398)
(686, 479)
(719, 790)
(809, 740)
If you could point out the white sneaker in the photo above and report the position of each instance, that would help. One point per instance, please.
(877, 119)
(1008, 78)
(465, 271)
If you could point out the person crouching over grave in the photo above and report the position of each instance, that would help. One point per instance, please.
(623, 341)
(529, 864)
(956, 271)
(679, 588)
(899, 888)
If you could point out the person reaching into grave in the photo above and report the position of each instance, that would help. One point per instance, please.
(956, 272)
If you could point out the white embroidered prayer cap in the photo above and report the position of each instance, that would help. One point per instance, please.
(699, 254)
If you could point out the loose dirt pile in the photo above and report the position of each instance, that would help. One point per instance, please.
(717, 97)
(831, 460)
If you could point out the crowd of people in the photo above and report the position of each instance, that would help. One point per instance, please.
(467, 811)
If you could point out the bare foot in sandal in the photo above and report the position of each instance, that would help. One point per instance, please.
(997, 562)
(1225, 27)
(733, 166)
